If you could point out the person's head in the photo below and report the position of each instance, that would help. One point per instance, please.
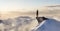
(40, 19)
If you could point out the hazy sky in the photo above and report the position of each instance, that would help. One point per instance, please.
(25, 5)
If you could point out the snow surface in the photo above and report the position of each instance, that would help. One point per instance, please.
(50, 25)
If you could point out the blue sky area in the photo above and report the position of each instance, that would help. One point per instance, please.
(25, 4)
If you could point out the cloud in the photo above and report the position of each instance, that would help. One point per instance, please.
(44, 11)
(54, 6)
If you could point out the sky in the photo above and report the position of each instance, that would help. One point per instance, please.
(25, 5)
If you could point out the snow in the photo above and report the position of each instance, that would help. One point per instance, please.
(50, 25)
